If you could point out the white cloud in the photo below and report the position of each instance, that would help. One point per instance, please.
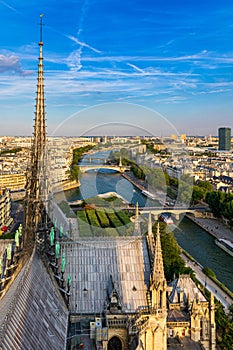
(11, 64)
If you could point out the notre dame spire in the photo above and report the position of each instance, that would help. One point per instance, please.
(159, 284)
(36, 187)
(153, 327)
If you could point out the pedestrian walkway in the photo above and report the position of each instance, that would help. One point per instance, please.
(213, 226)
(208, 283)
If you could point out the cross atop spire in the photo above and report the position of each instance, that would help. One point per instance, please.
(41, 25)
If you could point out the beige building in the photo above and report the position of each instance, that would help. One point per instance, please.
(14, 182)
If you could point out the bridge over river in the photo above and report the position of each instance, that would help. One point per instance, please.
(175, 211)
(119, 168)
(155, 211)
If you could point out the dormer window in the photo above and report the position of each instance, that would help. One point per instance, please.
(114, 299)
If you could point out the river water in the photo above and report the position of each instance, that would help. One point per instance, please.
(196, 241)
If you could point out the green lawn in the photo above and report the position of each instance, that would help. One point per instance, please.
(104, 222)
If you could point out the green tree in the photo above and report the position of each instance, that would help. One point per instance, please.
(185, 189)
(215, 199)
(205, 185)
(74, 172)
(137, 171)
(198, 194)
(208, 272)
(224, 325)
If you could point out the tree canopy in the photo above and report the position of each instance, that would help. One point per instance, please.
(220, 204)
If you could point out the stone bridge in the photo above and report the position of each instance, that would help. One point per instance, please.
(174, 211)
(119, 168)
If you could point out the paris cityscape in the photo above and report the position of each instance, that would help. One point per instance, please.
(116, 176)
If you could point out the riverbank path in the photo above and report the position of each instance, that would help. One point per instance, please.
(206, 282)
(213, 226)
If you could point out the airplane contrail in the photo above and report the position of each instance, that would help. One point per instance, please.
(8, 6)
(78, 54)
(135, 67)
(81, 43)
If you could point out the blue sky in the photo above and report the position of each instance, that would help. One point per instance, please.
(171, 57)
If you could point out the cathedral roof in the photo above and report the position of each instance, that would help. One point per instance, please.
(183, 288)
(176, 315)
(33, 311)
(183, 343)
(95, 264)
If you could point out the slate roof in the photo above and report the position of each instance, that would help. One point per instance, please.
(185, 283)
(176, 315)
(33, 314)
(93, 263)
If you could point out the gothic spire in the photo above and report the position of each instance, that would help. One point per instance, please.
(137, 228)
(36, 180)
(158, 283)
(150, 237)
(39, 126)
(158, 272)
(150, 233)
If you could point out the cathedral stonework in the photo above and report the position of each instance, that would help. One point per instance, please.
(176, 315)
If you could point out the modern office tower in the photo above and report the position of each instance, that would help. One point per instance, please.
(224, 139)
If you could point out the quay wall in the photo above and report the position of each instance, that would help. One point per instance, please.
(65, 186)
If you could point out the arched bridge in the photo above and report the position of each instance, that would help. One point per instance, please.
(120, 169)
(175, 211)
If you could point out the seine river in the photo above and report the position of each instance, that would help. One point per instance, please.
(196, 241)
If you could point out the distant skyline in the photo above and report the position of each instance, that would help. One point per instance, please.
(158, 65)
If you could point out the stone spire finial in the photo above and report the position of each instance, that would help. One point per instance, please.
(136, 211)
(158, 272)
(158, 282)
(150, 233)
(150, 238)
(137, 229)
(212, 323)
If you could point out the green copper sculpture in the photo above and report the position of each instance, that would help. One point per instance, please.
(17, 238)
(69, 280)
(63, 263)
(61, 230)
(8, 251)
(52, 235)
(57, 250)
